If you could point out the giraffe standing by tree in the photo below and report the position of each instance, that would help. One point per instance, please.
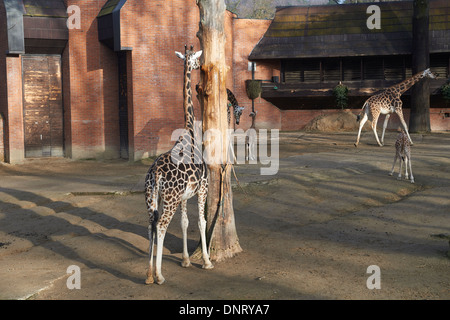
(387, 102)
(175, 177)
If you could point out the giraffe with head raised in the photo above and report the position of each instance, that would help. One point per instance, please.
(387, 102)
(403, 151)
(175, 177)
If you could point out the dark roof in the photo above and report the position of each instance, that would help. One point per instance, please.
(341, 30)
(14, 26)
(45, 8)
(108, 8)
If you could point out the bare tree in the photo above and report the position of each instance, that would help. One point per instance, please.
(221, 230)
(419, 120)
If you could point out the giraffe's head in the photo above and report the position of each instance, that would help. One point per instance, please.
(237, 113)
(191, 57)
(429, 74)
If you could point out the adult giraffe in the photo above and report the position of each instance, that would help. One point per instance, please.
(175, 177)
(387, 102)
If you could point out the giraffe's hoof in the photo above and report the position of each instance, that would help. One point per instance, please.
(149, 279)
(356, 145)
(208, 266)
(185, 263)
(160, 280)
(390, 173)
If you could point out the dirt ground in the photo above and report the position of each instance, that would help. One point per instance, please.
(309, 232)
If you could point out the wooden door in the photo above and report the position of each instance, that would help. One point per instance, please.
(42, 103)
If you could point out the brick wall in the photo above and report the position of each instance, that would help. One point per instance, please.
(153, 30)
(156, 77)
(246, 34)
(90, 76)
(15, 135)
(292, 120)
(3, 97)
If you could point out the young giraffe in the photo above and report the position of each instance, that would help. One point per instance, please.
(175, 177)
(403, 151)
(387, 102)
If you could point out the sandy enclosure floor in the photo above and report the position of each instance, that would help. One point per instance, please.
(308, 232)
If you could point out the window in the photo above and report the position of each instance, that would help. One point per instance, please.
(439, 65)
(332, 70)
(390, 68)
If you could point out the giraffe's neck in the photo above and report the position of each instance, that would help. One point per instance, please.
(188, 103)
(408, 83)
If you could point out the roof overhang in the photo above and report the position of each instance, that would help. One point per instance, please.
(15, 29)
(108, 21)
(36, 26)
(342, 31)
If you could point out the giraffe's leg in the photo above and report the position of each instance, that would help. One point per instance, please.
(393, 166)
(231, 157)
(151, 236)
(406, 167)
(374, 127)
(161, 233)
(250, 143)
(247, 148)
(149, 279)
(386, 120)
(184, 226)
(202, 226)
(163, 223)
(402, 120)
(410, 170)
(152, 207)
(361, 125)
(401, 168)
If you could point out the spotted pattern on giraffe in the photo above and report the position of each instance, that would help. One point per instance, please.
(388, 102)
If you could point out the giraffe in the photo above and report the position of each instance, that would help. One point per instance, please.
(403, 151)
(237, 110)
(175, 177)
(387, 102)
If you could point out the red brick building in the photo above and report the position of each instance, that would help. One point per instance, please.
(111, 86)
(103, 81)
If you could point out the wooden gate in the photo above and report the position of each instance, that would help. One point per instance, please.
(42, 103)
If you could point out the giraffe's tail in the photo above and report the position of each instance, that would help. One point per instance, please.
(152, 196)
(358, 117)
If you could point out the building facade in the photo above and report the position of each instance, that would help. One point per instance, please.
(318, 47)
(100, 79)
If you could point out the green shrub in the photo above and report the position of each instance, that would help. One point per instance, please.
(340, 92)
(253, 88)
(445, 90)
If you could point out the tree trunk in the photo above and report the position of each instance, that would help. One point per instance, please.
(222, 238)
(419, 120)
